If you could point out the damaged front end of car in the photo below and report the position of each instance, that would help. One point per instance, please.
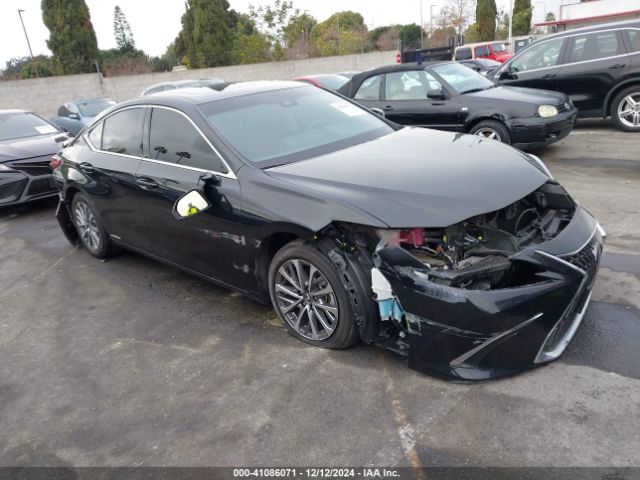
(490, 296)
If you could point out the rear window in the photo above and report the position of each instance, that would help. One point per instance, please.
(370, 89)
(482, 51)
(593, 46)
(633, 38)
(463, 54)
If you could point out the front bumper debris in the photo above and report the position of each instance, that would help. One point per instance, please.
(482, 334)
(536, 132)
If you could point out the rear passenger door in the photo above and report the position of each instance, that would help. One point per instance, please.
(592, 64)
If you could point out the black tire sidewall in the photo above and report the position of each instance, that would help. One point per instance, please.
(103, 251)
(502, 130)
(614, 108)
(346, 333)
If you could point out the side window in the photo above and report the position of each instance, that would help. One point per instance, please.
(122, 132)
(633, 39)
(370, 89)
(172, 138)
(95, 136)
(593, 46)
(463, 54)
(410, 85)
(542, 55)
(482, 51)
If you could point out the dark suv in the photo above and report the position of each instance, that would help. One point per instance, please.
(598, 67)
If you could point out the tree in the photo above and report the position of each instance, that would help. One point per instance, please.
(410, 35)
(550, 17)
(502, 23)
(273, 21)
(206, 37)
(486, 12)
(440, 37)
(249, 44)
(122, 31)
(71, 36)
(385, 38)
(342, 33)
(456, 14)
(472, 34)
(297, 35)
(522, 13)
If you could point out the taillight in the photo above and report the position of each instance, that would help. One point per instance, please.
(55, 162)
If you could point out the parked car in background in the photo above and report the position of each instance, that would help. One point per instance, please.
(450, 96)
(73, 116)
(483, 66)
(27, 143)
(459, 252)
(497, 51)
(166, 86)
(598, 67)
(349, 73)
(332, 81)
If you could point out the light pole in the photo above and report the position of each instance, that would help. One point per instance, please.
(28, 43)
(511, 24)
(421, 27)
(431, 19)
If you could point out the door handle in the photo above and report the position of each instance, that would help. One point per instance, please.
(387, 108)
(437, 104)
(617, 65)
(147, 183)
(549, 76)
(86, 167)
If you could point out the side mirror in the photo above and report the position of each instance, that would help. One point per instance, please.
(74, 116)
(378, 111)
(505, 73)
(190, 204)
(435, 94)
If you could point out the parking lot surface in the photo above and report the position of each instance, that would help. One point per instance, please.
(131, 362)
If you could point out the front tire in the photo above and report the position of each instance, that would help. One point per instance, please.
(90, 230)
(309, 297)
(625, 109)
(493, 130)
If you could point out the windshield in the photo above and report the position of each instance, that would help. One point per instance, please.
(93, 108)
(23, 125)
(499, 47)
(288, 125)
(461, 78)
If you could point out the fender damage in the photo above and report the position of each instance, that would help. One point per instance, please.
(485, 298)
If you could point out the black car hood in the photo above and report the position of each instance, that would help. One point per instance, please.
(533, 96)
(29, 147)
(418, 177)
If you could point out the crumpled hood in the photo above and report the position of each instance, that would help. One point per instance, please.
(419, 177)
(29, 147)
(533, 96)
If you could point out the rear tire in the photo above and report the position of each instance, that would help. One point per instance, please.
(309, 297)
(90, 230)
(493, 130)
(625, 109)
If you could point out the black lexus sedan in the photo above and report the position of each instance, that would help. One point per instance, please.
(459, 252)
(450, 96)
(27, 143)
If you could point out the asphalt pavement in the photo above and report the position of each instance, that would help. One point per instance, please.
(130, 362)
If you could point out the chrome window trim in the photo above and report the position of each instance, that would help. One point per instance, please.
(581, 61)
(230, 174)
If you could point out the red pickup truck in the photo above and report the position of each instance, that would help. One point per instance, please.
(494, 50)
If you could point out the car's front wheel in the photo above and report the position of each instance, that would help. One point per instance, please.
(309, 297)
(491, 129)
(90, 230)
(625, 109)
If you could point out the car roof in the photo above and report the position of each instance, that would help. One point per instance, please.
(200, 95)
(594, 28)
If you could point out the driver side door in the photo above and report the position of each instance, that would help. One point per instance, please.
(536, 67)
(405, 100)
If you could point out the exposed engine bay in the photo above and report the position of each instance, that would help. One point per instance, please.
(474, 254)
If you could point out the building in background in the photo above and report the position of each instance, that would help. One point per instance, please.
(576, 14)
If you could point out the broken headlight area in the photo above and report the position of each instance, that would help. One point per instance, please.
(476, 253)
(489, 296)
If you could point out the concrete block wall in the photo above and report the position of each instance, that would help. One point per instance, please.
(45, 95)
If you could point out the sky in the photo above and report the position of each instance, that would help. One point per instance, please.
(155, 23)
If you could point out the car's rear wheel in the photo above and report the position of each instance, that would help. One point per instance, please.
(625, 109)
(491, 129)
(309, 297)
(90, 230)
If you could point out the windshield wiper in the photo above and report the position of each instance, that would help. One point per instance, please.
(472, 90)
